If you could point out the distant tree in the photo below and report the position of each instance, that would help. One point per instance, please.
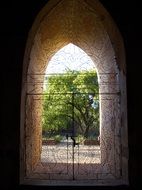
(71, 99)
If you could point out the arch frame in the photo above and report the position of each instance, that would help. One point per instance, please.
(105, 47)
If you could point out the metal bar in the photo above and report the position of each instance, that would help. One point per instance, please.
(67, 154)
(44, 74)
(56, 93)
(73, 131)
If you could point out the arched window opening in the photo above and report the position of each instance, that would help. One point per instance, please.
(74, 90)
(70, 122)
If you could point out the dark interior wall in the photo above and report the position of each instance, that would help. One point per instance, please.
(16, 20)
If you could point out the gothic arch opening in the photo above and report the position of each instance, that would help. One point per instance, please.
(86, 24)
(70, 116)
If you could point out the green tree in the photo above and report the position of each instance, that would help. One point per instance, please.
(71, 100)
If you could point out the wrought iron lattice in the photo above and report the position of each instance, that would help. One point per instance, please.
(68, 150)
(70, 158)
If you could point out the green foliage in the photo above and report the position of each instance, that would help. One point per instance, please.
(57, 138)
(71, 99)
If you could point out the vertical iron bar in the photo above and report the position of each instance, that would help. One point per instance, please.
(78, 156)
(73, 131)
(67, 154)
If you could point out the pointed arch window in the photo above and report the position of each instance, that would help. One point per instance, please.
(70, 111)
(76, 26)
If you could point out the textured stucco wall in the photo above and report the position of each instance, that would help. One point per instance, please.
(86, 24)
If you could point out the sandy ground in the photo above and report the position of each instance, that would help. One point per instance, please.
(63, 153)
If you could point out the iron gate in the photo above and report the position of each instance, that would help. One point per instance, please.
(68, 148)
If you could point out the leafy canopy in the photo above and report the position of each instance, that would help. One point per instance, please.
(71, 103)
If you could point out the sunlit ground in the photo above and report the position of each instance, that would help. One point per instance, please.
(63, 153)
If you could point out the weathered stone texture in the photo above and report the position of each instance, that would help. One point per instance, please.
(86, 24)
